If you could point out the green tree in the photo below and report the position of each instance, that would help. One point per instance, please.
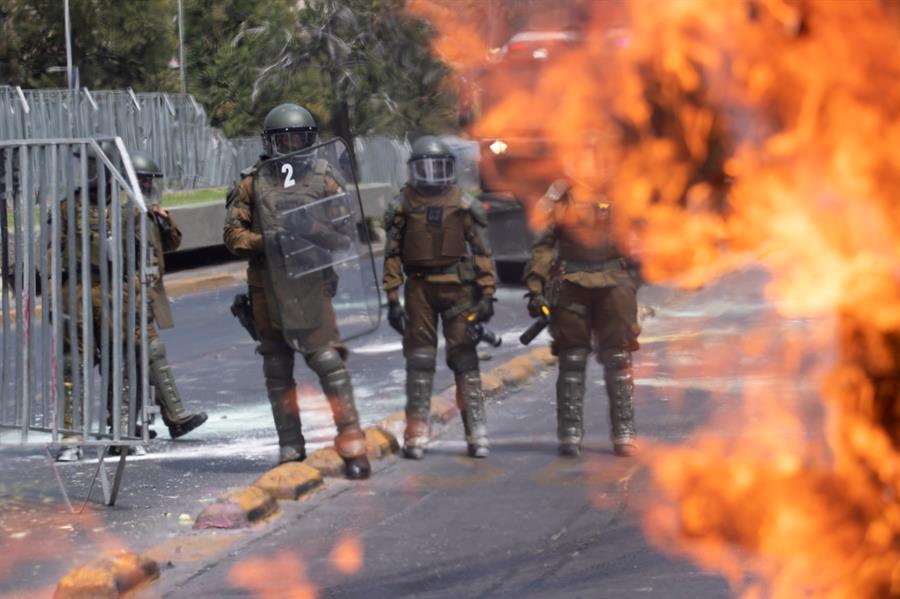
(226, 48)
(114, 44)
(375, 62)
(361, 66)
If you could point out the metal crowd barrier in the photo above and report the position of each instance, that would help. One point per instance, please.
(174, 129)
(73, 365)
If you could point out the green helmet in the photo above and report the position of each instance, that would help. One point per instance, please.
(149, 175)
(288, 128)
(109, 150)
(431, 164)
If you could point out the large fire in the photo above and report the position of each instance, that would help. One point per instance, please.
(768, 128)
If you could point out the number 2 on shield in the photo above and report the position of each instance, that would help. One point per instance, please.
(288, 171)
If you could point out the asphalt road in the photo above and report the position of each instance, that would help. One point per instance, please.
(523, 523)
(218, 371)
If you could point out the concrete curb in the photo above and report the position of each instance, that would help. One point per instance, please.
(179, 287)
(111, 576)
(289, 481)
(245, 506)
(238, 508)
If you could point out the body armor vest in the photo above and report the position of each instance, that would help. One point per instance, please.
(294, 303)
(95, 238)
(585, 233)
(435, 233)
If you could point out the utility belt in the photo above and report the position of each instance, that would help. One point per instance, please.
(606, 265)
(464, 269)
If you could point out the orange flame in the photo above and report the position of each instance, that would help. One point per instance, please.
(769, 129)
(347, 555)
(280, 575)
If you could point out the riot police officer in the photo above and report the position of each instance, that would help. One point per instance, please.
(577, 259)
(164, 236)
(293, 315)
(73, 289)
(436, 238)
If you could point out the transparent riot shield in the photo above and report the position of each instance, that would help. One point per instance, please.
(320, 264)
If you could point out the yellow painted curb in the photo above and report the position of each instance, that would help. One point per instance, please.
(491, 384)
(394, 424)
(380, 443)
(112, 577)
(443, 407)
(179, 287)
(238, 508)
(515, 372)
(543, 355)
(289, 480)
(327, 461)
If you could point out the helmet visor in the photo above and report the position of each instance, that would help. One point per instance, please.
(151, 186)
(432, 171)
(285, 142)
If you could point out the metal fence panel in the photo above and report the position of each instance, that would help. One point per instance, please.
(74, 306)
(173, 128)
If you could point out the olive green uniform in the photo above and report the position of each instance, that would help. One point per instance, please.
(438, 242)
(99, 302)
(164, 236)
(596, 307)
(301, 308)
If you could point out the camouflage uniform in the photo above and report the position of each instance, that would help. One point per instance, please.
(320, 343)
(164, 236)
(596, 308)
(439, 243)
(99, 302)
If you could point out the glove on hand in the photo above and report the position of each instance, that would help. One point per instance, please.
(484, 309)
(536, 303)
(397, 317)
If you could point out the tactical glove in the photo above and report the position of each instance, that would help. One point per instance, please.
(397, 317)
(536, 304)
(484, 309)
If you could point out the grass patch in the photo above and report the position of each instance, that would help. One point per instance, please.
(193, 196)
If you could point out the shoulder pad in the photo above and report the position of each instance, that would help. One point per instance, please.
(394, 208)
(476, 209)
(250, 170)
(557, 190)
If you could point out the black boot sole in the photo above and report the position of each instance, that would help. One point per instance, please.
(180, 429)
(357, 468)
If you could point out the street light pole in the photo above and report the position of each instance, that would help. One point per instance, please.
(181, 45)
(70, 75)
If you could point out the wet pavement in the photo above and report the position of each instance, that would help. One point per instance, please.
(217, 371)
(523, 523)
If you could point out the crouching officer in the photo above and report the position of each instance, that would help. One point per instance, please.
(436, 237)
(252, 208)
(164, 236)
(596, 307)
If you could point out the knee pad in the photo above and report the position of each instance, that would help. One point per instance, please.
(422, 359)
(157, 349)
(616, 360)
(573, 360)
(463, 361)
(325, 362)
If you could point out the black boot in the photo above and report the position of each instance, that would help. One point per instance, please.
(470, 400)
(570, 401)
(620, 388)
(178, 420)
